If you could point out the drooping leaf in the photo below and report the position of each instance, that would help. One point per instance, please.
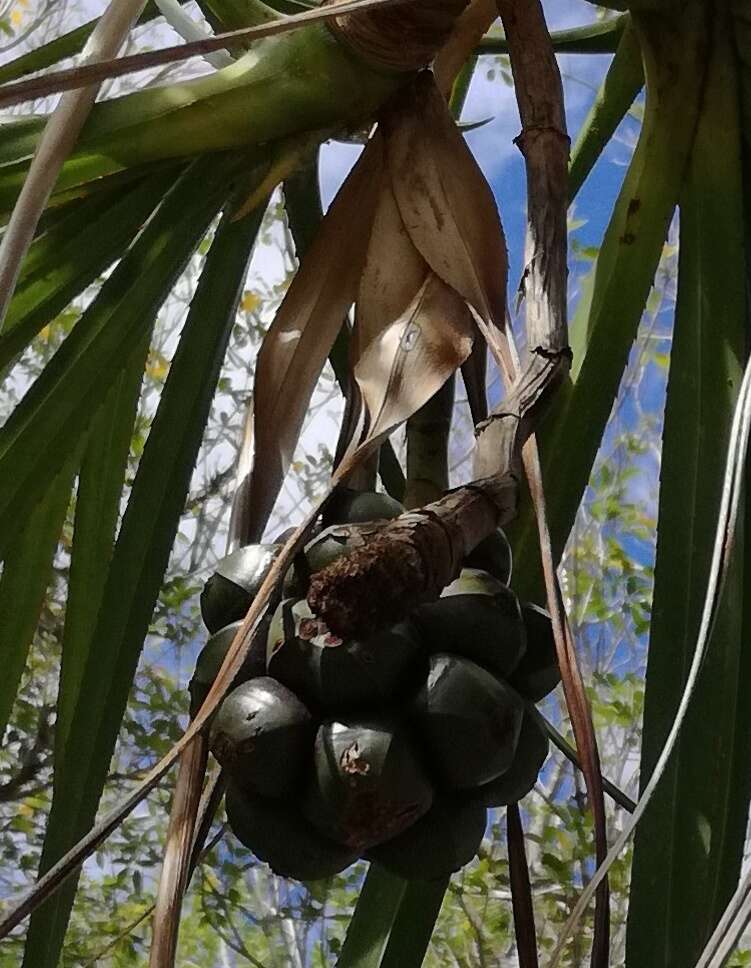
(26, 573)
(601, 37)
(445, 202)
(303, 203)
(393, 272)
(70, 256)
(58, 407)
(617, 92)
(413, 357)
(301, 336)
(625, 269)
(690, 843)
(138, 562)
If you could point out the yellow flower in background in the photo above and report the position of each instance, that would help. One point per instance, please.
(157, 366)
(249, 301)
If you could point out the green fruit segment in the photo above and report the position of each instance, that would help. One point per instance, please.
(329, 673)
(227, 595)
(474, 581)
(476, 618)
(521, 776)
(357, 507)
(210, 662)
(368, 783)
(537, 674)
(335, 541)
(492, 554)
(279, 836)
(441, 842)
(468, 720)
(263, 736)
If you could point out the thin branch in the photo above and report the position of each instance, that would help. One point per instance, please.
(559, 741)
(76, 77)
(58, 138)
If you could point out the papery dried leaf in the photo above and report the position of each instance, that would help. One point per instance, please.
(176, 863)
(414, 356)
(299, 340)
(445, 201)
(394, 272)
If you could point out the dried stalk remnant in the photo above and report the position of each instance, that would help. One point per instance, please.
(411, 559)
(405, 37)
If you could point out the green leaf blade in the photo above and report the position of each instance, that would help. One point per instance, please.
(56, 410)
(138, 563)
(622, 83)
(63, 261)
(689, 846)
(26, 574)
(100, 486)
(375, 913)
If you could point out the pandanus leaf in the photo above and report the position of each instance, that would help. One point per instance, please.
(57, 409)
(690, 843)
(70, 256)
(303, 332)
(138, 562)
(27, 569)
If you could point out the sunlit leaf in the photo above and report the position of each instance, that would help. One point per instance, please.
(445, 202)
(413, 357)
(299, 340)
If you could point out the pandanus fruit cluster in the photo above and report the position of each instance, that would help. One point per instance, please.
(391, 746)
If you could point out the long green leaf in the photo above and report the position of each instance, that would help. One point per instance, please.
(596, 38)
(301, 81)
(412, 930)
(138, 563)
(393, 921)
(70, 256)
(373, 919)
(26, 574)
(57, 409)
(689, 846)
(622, 83)
(100, 485)
(675, 62)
